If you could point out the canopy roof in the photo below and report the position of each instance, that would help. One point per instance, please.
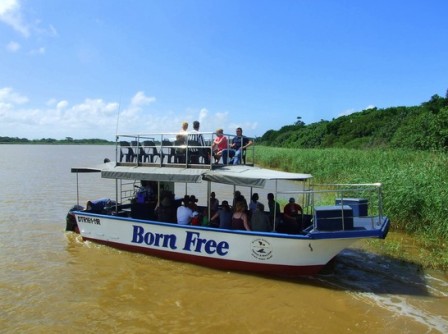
(94, 169)
(163, 174)
(236, 175)
(250, 176)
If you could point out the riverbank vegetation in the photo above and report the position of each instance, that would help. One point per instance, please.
(423, 127)
(66, 141)
(415, 190)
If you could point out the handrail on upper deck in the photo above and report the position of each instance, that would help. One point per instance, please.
(166, 149)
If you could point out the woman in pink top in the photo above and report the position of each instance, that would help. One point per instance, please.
(219, 144)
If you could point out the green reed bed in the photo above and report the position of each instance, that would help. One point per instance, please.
(415, 186)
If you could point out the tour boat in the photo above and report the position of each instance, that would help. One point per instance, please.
(334, 215)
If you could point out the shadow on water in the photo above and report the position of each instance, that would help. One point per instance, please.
(360, 271)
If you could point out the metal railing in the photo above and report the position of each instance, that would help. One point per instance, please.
(339, 206)
(167, 149)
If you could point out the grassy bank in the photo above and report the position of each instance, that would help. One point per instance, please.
(415, 188)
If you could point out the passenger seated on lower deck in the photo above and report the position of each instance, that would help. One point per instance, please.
(99, 205)
(184, 213)
(292, 211)
(145, 193)
(275, 215)
(224, 216)
(260, 220)
(239, 217)
(238, 197)
(214, 203)
(292, 218)
(166, 211)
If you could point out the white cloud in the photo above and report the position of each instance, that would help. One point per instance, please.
(352, 110)
(203, 113)
(246, 126)
(97, 118)
(13, 47)
(91, 111)
(7, 95)
(51, 102)
(7, 6)
(346, 112)
(38, 51)
(10, 14)
(61, 105)
(91, 118)
(131, 113)
(140, 99)
(52, 31)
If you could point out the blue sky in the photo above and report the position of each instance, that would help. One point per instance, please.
(90, 68)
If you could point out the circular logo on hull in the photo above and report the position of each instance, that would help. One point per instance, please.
(261, 249)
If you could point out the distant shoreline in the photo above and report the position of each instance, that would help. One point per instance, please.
(41, 143)
(51, 141)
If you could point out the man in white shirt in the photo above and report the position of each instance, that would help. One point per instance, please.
(184, 213)
(196, 137)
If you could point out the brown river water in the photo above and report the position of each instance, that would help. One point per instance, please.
(53, 282)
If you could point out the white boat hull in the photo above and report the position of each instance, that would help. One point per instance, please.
(269, 253)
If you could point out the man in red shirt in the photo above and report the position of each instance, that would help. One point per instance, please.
(291, 211)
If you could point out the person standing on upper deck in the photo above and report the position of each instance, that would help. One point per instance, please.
(197, 137)
(237, 148)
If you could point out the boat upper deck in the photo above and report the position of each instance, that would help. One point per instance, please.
(185, 150)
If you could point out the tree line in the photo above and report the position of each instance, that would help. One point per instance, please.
(423, 127)
(67, 140)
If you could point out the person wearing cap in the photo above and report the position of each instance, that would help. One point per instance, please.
(192, 203)
(195, 216)
(184, 213)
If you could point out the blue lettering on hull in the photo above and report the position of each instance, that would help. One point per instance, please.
(193, 241)
(153, 239)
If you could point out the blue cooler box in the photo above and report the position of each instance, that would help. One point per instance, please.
(359, 205)
(333, 218)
